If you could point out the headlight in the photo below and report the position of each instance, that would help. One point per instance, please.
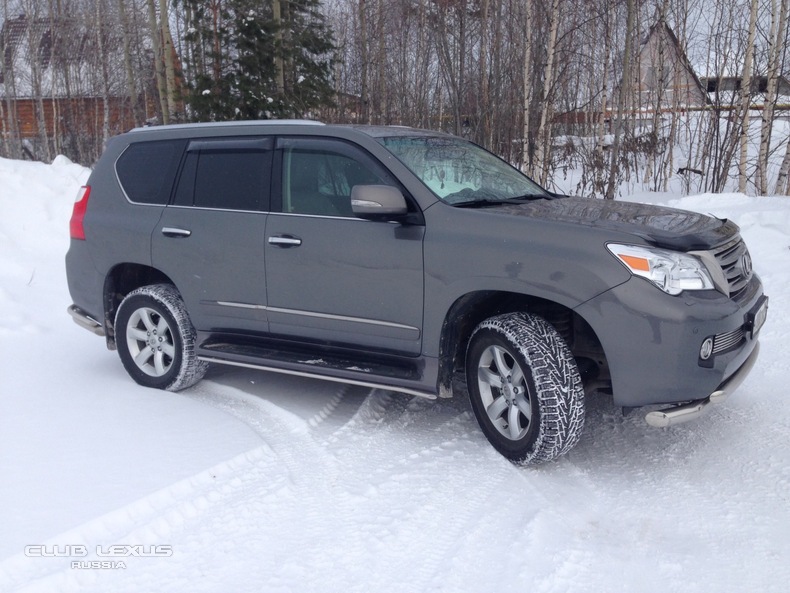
(672, 271)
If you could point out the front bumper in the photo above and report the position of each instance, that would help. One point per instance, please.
(652, 342)
(693, 410)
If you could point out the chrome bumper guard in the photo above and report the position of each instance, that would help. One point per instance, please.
(84, 320)
(695, 409)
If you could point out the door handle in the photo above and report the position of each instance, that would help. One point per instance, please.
(169, 231)
(285, 241)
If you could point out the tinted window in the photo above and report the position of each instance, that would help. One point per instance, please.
(225, 175)
(146, 170)
(317, 177)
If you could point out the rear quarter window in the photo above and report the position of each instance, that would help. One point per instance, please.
(146, 170)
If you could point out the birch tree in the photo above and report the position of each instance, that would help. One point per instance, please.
(11, 133)
(103, 66)
(33, 49)
(364, 60)
(484, 127)
(168, 59)
(527, 88)
(746, 97)
(776, 47)
(131, 75)
(625, 87)
(161, 81)
(543, 132)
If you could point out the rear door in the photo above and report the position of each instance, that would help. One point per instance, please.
(333, 278)
(210, 240)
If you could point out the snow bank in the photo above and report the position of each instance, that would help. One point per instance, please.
(76, 438)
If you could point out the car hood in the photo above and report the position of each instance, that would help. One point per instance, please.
(664, 227)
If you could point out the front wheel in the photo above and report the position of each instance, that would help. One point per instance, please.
(156, 339)
(525, 388)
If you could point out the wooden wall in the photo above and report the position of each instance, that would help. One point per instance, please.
(83, 115)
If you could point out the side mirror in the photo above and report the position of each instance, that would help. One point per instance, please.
(378, 202)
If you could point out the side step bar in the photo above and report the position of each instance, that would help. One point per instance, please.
(388, 372)
(301, 373)
(695, 409)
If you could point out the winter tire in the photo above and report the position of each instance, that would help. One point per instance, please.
(156, 340)
(524, 387)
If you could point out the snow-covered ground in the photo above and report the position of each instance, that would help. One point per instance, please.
(258, 482)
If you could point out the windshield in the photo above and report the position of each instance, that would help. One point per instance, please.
(460, 172)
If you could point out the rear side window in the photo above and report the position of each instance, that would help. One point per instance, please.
(227, 175)
(146, 170)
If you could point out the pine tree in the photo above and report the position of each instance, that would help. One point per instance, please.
(254, 64)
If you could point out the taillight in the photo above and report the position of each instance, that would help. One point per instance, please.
(78, 214)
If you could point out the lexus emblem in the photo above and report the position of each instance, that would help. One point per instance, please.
(746, 264)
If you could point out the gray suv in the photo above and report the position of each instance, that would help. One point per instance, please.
(407, 260)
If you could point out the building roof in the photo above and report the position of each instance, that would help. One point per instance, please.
(683, 79)
(58, 58)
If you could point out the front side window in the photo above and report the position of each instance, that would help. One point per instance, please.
(318, 175)
(460, 172)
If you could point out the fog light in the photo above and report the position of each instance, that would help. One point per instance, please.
(707, 349)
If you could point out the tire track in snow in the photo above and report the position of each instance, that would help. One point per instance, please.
(307, 467)
(645, 490)
(431, 439)
(329, 408)
(145, 522)
(152, 518)
(319, 498)
(412, 446)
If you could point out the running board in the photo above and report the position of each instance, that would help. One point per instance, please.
(375, 374)
(371, 384)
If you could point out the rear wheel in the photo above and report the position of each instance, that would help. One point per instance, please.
(156, 339)
(525, 387)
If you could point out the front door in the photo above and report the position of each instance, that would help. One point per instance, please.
(333, 278)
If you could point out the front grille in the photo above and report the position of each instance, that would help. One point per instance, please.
(723, 342)
(735, 262)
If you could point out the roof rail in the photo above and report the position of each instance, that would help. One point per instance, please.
(222, 124)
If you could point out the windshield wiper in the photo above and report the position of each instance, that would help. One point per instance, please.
(500, 202)
(530, 197)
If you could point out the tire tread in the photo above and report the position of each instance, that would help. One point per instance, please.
(557, 382)
(191, 369)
